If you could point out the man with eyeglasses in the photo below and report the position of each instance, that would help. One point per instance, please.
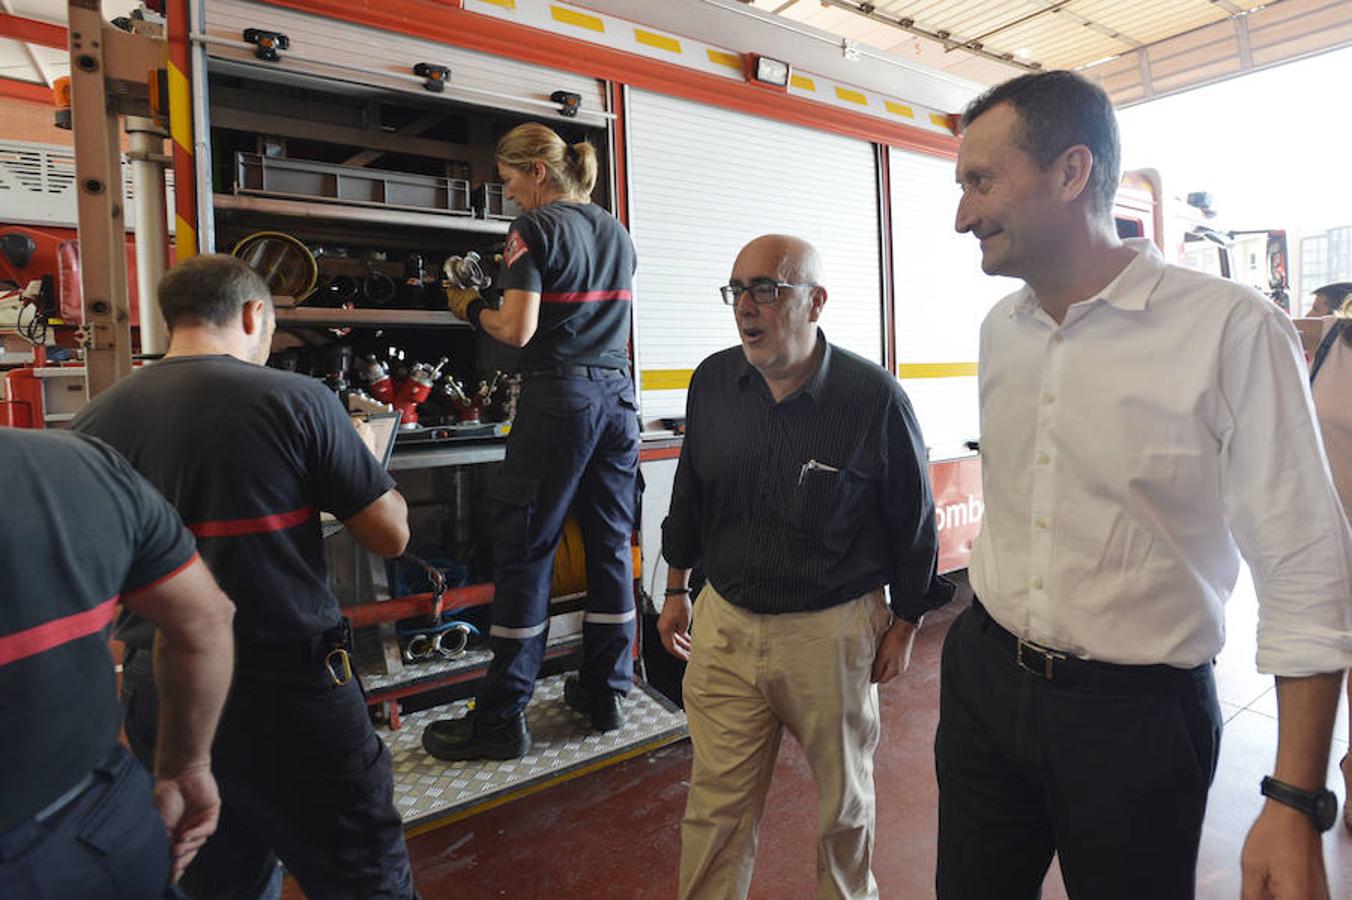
(802, 490)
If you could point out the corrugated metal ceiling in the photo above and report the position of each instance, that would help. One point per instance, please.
(1138, 50)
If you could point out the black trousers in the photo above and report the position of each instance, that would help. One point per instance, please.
(303, 776)
(105, 842)
(1106, 766)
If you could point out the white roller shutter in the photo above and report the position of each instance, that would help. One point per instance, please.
(941, 298)
(388, 58)
(703, 182)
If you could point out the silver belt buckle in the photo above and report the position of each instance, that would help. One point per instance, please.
(1042, 661)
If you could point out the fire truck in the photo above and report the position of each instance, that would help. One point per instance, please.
(347, 150)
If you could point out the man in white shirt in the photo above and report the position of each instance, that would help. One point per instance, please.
(1142, 426)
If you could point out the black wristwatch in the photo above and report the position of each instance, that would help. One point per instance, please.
(1321, 805)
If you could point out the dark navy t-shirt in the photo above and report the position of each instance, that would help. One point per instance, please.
(581, 262)
(80, 529)
(249, 456)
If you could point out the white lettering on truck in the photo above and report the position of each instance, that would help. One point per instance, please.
(961, 514)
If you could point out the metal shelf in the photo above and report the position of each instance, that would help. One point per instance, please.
(443, 455)
(379, 318)
(368, 215)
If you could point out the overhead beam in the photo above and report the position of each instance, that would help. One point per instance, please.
(31, 91)
(947, 40)
(288, 127)
(33, 31)
(33, 59)
(1055, 7)
(1105, 30)
(412, 129)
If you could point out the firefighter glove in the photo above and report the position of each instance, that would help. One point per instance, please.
(459, 299)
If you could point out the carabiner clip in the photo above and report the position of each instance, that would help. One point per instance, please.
(339, 666)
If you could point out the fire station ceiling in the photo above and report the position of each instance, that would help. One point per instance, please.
(1138, 49)
(32, 62)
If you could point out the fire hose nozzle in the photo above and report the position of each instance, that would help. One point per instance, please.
(466, 271)
(447, 643)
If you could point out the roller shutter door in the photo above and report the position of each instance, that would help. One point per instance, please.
(703, 182)
(315, 39)
(941, 298)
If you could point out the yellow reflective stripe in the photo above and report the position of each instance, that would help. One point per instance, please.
(180, 109)
(719, 58)
(803, 84)
(942, 121)
(581, 20)
(185, 239)
(900, 109)
(660, 41)
(850, 96)
(666, 379)
(936, 370)
(505, 4)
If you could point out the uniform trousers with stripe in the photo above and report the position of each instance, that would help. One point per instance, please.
(750, 677)
(573, 445)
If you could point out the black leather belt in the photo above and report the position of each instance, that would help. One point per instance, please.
(1063, 669)
(329, 648)
(595, 373)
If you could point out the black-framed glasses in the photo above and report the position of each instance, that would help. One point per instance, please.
(763, 290)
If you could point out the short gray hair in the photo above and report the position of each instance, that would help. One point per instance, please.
(209, 290)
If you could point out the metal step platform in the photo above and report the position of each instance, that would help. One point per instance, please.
(429, 792)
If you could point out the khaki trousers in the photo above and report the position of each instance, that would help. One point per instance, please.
(750, 677)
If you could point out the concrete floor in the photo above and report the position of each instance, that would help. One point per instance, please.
(615, 833)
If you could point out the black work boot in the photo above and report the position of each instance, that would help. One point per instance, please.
(469, 738)
(606, 711)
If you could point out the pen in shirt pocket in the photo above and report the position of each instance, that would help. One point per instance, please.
(813, 466)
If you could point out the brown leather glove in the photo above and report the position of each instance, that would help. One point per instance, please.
(459, 299)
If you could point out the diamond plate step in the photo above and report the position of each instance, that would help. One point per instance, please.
(428, 791)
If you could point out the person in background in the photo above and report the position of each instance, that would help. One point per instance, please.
(802, 490)
(567, 278)
(1330, 298)
(250, 456)
(78, 816)
(1328, 345)
(1142, 426)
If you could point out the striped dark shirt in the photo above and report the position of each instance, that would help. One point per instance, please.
(809, 502)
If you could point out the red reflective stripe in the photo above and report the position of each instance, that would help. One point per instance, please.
(163, 578)
(584, 296)
(32, 641)
(261, 525)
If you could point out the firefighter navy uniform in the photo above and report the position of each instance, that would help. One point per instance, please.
(573, 445)
(249, 456)
(81, 529)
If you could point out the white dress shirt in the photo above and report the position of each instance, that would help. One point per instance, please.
(1132, 453)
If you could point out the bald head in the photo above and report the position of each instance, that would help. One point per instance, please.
(778, 325)
(784, 257)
